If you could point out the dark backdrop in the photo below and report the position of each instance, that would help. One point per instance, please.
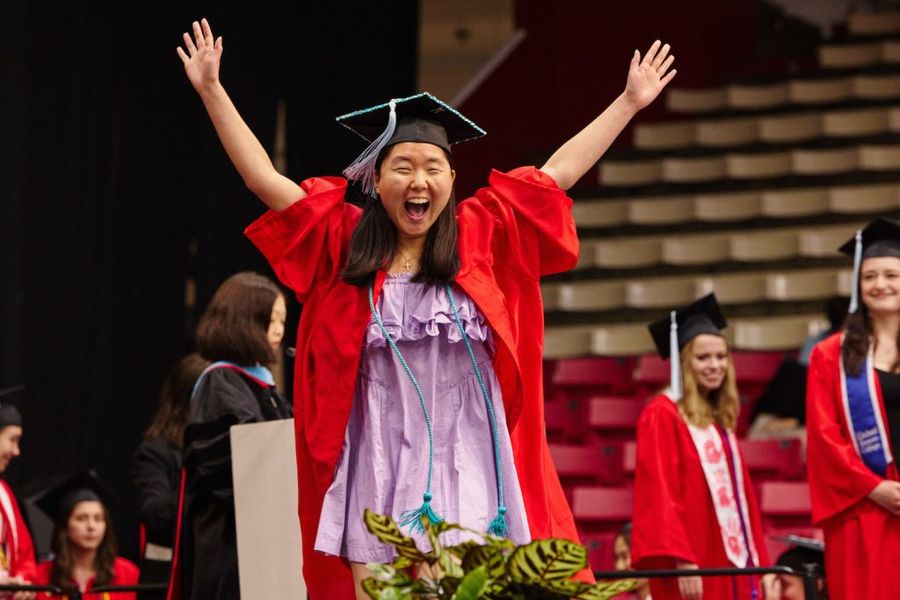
(115, 189)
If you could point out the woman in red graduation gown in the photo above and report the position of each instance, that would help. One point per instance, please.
(500, 243)
(84, 544)
(853, 424)
(694, 502)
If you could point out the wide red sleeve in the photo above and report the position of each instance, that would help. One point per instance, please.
(659, 534)
(535, 228)
(21, 562)
(304, 242)
(838, 478)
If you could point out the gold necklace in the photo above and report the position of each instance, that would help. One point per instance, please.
(408, 262)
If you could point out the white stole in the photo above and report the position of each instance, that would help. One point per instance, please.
(729, 510)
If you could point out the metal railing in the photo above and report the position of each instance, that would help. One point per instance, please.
(809, 575)
(74, 593)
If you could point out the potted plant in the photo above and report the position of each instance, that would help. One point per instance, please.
(494, 569)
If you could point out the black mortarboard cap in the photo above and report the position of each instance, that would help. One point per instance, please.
(59, 500)
(701, 316)
(418, 118)
(9, 413)
(880, 238)
(804, 551)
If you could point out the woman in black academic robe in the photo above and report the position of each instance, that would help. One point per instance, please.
(241, 330)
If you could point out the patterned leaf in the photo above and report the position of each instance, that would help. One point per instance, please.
(449, 565)
(460, 550)
(489, 557)
(386, 530)
(546, 560)
(610, 589)
(471, 587)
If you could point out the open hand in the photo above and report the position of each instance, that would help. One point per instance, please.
(691, 588)
(648, 77)
(201, 61)
(887, 495)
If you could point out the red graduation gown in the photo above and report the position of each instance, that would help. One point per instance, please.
(510, 233)
(862, 540)
(124, 573)
(674, 517)
(19, 548)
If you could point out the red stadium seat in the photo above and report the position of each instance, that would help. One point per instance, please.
(756, 367)
(773, 459)
(651, 374)
(609, 506)
(629, 458)
(785, 498)
(565, 419)
(600, 549)
(593, 375)
(614, 417)
(590, 463)
(785, 504)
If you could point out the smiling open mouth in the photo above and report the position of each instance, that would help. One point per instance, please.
(416, 207)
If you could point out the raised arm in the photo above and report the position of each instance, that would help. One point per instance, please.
(646, 79)
(201, 56)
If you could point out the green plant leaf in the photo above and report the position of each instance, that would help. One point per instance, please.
(460, 550)
(385, 590)
(491, 558)
(386, 530)
(609, 589)
(449, 565)
(546, 560)
(402, 562)
(472, 585)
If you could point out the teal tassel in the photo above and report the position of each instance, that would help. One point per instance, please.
(413, 518)
(498, 526)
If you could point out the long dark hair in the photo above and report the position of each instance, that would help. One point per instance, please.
(235, 325)
(857, 333)
(175, 399)
(61, 569)
(374, 242)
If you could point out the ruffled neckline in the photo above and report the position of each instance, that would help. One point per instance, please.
(415, 311)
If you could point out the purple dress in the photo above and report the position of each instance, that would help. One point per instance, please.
(384, 460)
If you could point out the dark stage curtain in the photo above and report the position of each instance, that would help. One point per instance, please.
(115, 190)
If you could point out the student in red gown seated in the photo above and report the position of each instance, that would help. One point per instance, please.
(84, 544)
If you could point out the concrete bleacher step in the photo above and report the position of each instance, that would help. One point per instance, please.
(874, 23)
(767, 333)
(794, 93)
(740, 166)
(796, 285)
(769, 128)
(737, 206)
(715, 247)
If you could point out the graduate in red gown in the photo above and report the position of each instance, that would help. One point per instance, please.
(853, 424)
(694, 504)
(497, 246)
(17, 564)
(85, 552)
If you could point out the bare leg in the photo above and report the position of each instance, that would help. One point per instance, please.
(360, 571)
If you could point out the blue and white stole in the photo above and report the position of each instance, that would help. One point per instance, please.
(862, 408)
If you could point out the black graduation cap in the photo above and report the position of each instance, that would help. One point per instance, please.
(680, 327)
(701, 316)
(59, 500)
(879, 238)
(9, 414)
(804, 551)
(418, 118)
